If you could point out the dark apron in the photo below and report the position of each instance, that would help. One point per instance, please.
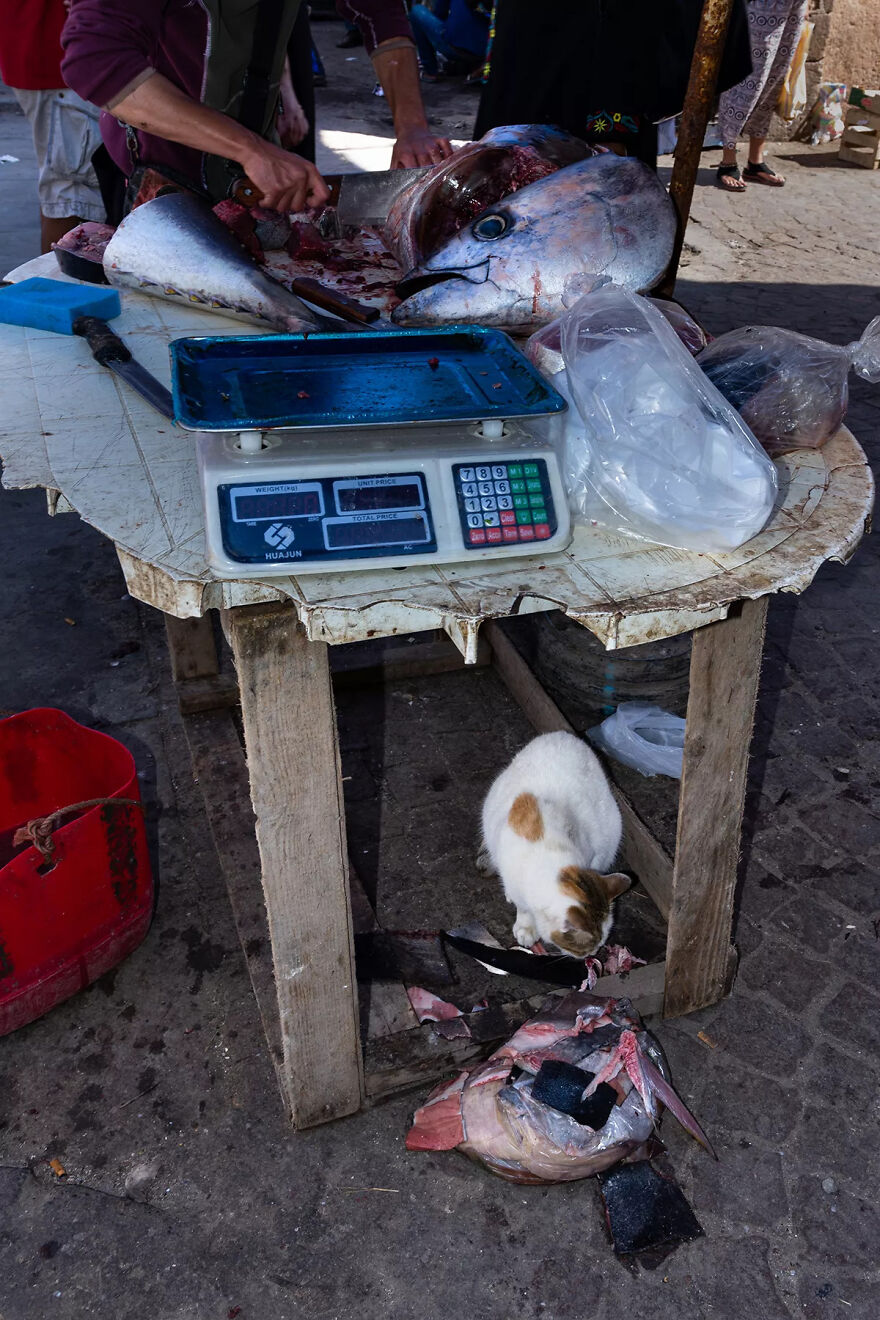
(248, 41)
(604, 70)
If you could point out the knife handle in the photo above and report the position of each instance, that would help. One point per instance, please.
(105, 345)
(244, 192)
(331, 300)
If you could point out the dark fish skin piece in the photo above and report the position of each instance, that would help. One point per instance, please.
(645, 1209)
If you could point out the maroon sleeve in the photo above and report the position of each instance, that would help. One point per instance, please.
(378, 20)
(108, 44)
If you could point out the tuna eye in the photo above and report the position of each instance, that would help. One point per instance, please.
(490, 226)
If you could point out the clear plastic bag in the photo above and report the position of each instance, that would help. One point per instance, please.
(791, 390)
(652, 449)
(641, 735)
(544, 348)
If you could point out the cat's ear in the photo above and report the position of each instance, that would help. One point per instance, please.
(614, 884)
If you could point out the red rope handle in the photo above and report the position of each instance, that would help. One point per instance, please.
(39, 831)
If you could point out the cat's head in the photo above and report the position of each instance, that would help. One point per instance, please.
(586, 918)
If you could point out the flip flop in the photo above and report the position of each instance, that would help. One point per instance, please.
(730, 172)
(763, 174)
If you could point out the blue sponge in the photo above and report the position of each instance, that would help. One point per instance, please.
(55, 305)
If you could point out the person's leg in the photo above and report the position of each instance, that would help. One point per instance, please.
(426, 26)
(66, 136)
(736, 105)
(782, 42)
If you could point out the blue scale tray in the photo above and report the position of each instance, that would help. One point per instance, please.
(371, 378)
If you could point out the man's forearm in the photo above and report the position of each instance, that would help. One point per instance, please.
(397, 69)
(160, 108)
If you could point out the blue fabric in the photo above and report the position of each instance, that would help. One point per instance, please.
(450, 30)
(467, 30)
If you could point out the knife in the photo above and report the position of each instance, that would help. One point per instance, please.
(359, 199)
(108, 349)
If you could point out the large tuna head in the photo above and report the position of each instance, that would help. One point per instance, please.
(607, 215)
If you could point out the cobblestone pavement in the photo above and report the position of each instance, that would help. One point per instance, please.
(186, 1197)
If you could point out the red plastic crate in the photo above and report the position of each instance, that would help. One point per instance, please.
(66, 920)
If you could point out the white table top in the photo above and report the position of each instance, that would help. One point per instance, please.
(71, 426)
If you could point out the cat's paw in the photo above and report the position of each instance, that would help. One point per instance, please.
(524, 931)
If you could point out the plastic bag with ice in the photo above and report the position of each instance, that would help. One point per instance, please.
(790, 389)
(651, 447)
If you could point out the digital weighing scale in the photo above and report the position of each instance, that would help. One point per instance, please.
(345, 451)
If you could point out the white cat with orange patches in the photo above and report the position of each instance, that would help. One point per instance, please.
(551, 829)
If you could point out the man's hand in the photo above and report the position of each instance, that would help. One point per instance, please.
(419, 146)
(285, 182)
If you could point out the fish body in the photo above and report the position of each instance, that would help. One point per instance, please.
(175, 247)
(489, 1112)
(606, 216)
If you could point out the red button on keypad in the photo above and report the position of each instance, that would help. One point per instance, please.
(527, 533)
(493, 533)
(510, 533)
(478, 538)
(542, 531)
(507, 517)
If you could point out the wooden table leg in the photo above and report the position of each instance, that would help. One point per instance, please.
(725, 668)
(191, 647)
(296, 791)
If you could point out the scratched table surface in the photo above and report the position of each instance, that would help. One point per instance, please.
(69, 425)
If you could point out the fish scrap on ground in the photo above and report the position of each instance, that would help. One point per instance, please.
(615, 1082)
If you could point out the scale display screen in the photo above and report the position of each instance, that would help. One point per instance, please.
(368, 494)
(391, 530)
(327, 518)
(292, 499)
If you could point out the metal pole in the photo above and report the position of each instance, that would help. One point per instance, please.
(698, 101)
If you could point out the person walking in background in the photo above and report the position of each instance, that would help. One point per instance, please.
(64, 126)
(456, 30)
(746, 110)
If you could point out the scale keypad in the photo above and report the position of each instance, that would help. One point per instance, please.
(504, 503)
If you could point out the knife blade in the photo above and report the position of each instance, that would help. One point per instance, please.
(108, 349)
(360, 199)
(367, 198)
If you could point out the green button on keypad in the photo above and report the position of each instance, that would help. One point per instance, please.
(517, 487)
(523, 516)
(533, 486)
(514, 470)
(531, 470)
(539, 515)
(520, 501)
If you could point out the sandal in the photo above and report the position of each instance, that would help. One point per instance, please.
(730, 173)
(762, 173)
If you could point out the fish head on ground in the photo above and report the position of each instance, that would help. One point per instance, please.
(606, 216)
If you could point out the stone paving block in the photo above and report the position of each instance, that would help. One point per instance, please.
(832, 1294)
(839, 1228)
(746, 1185)
(785, 974)
(757, 1033)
